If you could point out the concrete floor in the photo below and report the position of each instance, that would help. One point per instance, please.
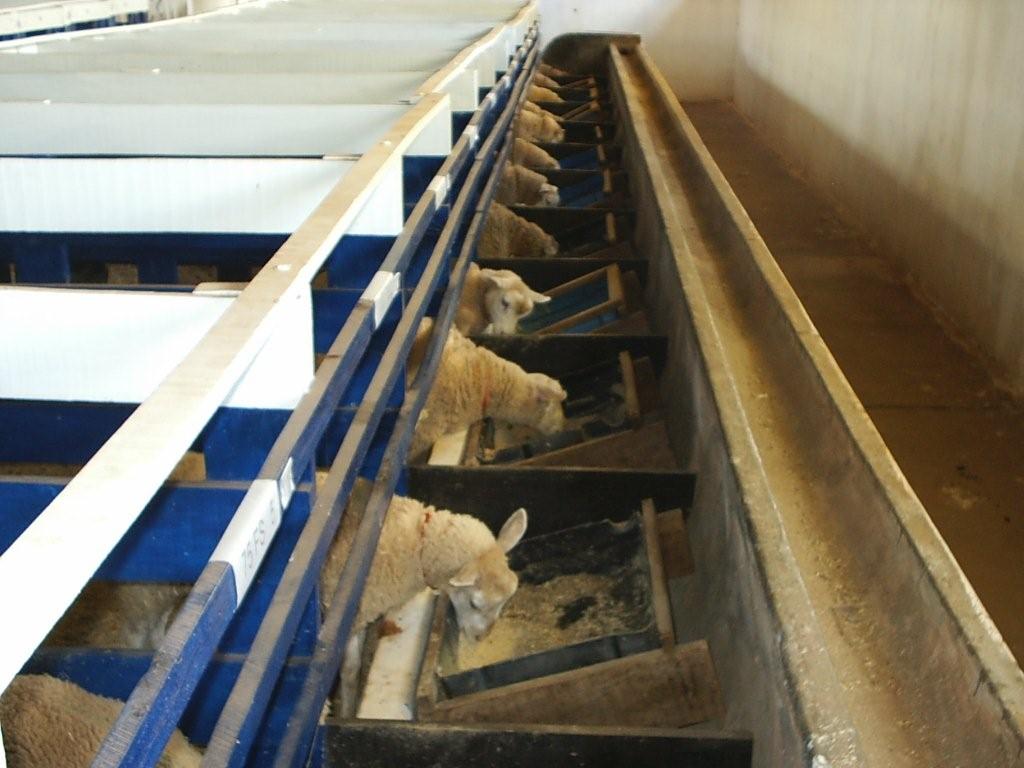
(958, 439)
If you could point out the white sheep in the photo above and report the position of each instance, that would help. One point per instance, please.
(473, 383)
(541, 79)
(527, 154)
(51, 723)
(493, 301)
(534, 127)
(120, 615)
(539, 93)
(529, 106)
(552, 71)
(422, 547)
(521, 185)
(508, 235)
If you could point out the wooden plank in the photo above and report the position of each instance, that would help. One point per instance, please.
(83, 524)
(659, 585)
(379, 744)
(660, 689)
(675, 544)
(629, 387)
(647, 394)
(646, 447)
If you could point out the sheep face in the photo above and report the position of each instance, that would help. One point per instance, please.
(550, 245)
(547, 395)
(507, 300)
(549, 194)
(551, 130)
(482, 587)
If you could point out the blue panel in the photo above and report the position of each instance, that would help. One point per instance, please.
(153, 252)
(356, 258)
(459, 122)
(583, 160)
(159, 268)
(37, 262)
(61, 433)
(171, 540)
(115, 675)
(237, 441)
(331, 307)
(417, 171)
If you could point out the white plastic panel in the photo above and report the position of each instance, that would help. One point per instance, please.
(134, 339)
(201, 88)
(198, 130)
(166, 194)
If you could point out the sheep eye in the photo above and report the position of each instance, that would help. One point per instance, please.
(505, 302)
(477, 602)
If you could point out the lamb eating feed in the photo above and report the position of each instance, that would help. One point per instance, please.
(530, 155)
(522, 185)
(539, 78)
(473, 383)
(535, 127)
(420, 547)
(493, 301)
(540, 93)
(508, 235)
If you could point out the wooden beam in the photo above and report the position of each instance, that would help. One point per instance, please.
(659, 586)
(675, 544)
(661, 689)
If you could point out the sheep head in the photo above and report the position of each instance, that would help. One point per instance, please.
(482, 587)
(546, 396)
(551, 130)
(549, 194)
(507, 299)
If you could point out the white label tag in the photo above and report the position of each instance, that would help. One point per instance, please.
(380, 293)
(439, 185)
(286, 483)
(248, 535)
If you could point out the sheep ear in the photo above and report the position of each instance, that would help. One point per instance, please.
(548, 389)
(539, 298)
(513, 530)
(467, 577)
(498, 280)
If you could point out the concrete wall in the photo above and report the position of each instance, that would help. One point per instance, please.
(910, 115)
(693, 41)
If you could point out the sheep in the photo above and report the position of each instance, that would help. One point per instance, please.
(552, 71)
(473, 383)
(534, 127)
(52, 723)
(493, 301)
(120, 615)
(539, 93)
(423, 547)
(527, 154)
(543, 80)
(507, 235)
(529, 106)
(521, 185)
